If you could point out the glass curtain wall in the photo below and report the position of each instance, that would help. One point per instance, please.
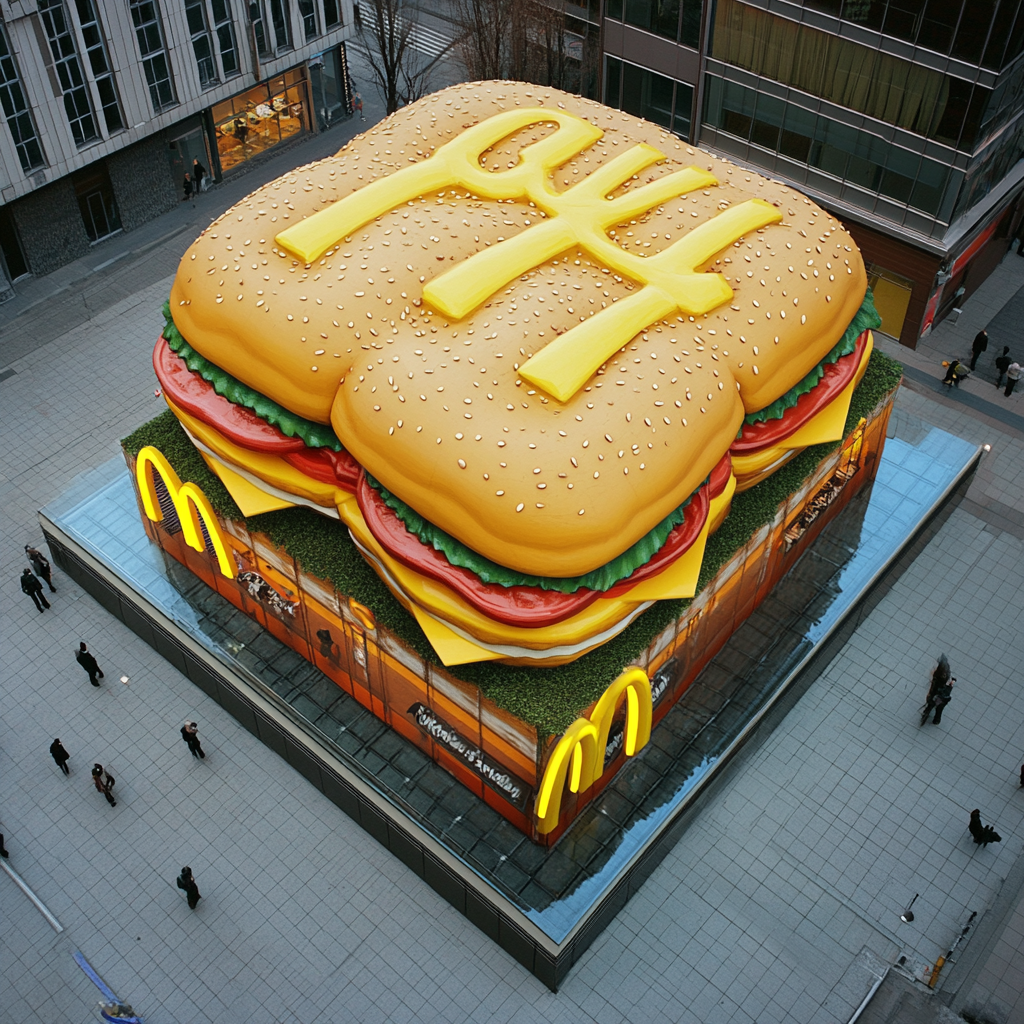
(645, 94)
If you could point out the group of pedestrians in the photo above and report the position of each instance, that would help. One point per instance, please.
(32, 580)
(940, 693)
(1006, 366)
(194, 183)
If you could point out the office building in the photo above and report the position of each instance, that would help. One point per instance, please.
(107, 105)
(901, 117)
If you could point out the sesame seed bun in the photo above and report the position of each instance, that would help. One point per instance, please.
(437, 408)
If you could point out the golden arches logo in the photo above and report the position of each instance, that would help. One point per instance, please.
(579, 755)
(579, 216)
(189, 502)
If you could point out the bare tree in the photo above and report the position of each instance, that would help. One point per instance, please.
(402, 74)
(526, 40)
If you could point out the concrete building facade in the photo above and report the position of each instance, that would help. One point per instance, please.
(108, 105)
(905, 118)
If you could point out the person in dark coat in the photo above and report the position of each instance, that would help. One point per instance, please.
(198, 175)
(187, 882)
(955, 372)
(88, 662)
(982, 834)
(190, 734)
(187, 188)
(40, 566)
(31, 586)
(1002, 365)
(979, 346)
(938, 699)
(60, 755)
(104, 783)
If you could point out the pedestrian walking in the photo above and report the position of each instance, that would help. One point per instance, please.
(1002, 365)
(357, 106)
(3, 849)
(200, 179)
(938, 699)
(189, 733)
(955, 372)
(979, 345)
(982, 834)
(40, 566)
(1013, 372)
(88, 662)
(187, 882)
(31, 586)
(60, 755)
(104, 783)
(941, 678)
(187, 189)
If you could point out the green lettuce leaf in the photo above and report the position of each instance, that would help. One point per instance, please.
(603, 578)
(866, 318)
(316, 435)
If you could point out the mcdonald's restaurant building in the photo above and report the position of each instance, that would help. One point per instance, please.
(106, 107)
(906, 123)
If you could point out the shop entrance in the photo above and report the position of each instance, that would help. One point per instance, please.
(186, 149)
(259, 119)
(97, 204)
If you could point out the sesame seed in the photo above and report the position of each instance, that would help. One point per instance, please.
(520, 507)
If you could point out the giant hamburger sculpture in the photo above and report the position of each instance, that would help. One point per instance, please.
(525, 347)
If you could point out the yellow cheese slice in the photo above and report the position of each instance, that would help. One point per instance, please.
(451, 648)
(248, 497)
(680, 578)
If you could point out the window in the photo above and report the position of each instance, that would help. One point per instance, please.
(225, 29)
(856, 158)
(332, 13)
(259, 27)
(16, 109)
(202, 45)
(282, 29)
(99, 64)
(645, 94)
(661, 17)
(146, 18)
(77, 104)
(307, 11)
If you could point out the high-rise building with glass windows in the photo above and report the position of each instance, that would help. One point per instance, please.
(904, 118)
(104, 107)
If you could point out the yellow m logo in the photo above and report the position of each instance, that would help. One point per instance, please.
(579, 216)
(189, 502)
(579, 755)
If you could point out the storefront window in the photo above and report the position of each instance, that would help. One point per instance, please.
(328, 85)
(255, 121)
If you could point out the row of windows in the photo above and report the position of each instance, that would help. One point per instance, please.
(645, 94)
(845, 153)
(880, 85)
(79, 59)
(986, 32)
(675, 19)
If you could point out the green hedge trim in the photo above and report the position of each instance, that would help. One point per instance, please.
(316, 435)
(603, 578)
(866, 319)
(547, 698)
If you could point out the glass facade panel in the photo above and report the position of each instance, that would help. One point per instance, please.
(645, 94)
(149, 33)
(846, 153)
(332, 13)
(77, 105)
(257, 120)
(860, 78)
(660, 16)
(16, 110)
(307, 12)
(225, 30)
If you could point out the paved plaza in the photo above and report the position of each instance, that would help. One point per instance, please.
(781, 902)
